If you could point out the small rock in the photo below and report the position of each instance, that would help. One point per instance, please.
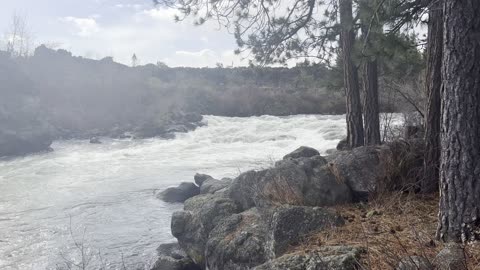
(414, 263)
(200, 178)
(181, 193)
(172, 257)
(95, 140)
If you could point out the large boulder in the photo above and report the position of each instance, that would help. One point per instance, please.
(172, 257)
(323, 258)
(283, 184)
(181, 193)
(368, 169)
(306, 163)
(302, 151)
(242, 188)
(300, 181)
(343, 145)
(361, 169)
(289, 224)
(250, 238)
(237, 242)
(193, 225)
(212, 185)
(324, 189)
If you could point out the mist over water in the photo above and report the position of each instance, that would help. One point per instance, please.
(104, 195)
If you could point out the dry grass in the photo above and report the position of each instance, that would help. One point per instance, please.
(389, 228)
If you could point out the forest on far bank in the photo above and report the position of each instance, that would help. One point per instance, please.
(70, 96)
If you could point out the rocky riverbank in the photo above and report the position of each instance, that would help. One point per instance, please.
(15, 141)
(252, 221)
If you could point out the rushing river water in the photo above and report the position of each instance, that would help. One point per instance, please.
(102, 197)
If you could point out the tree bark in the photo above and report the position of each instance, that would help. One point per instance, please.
(370, 103)
(355, 135)
(433, 84)
(370, 97)
(459, 217)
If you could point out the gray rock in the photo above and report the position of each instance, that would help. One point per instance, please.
(242, 188)
(95, 140)
(289, 224)
(181, 193)
(323, 189)
(414, 263)
(343, 145)
(200, 178)
(452, 257)
(302, 151)
(301, 181)
(331, 151)
(237, 242)
(250, 238)
(360, 169)
(172, 257)
(282, 184)
(193, 225)
(305, 163)
(212, 185)
(324, 258)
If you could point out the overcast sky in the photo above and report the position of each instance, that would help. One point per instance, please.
(119, 28)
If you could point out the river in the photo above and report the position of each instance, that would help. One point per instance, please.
(101, 198)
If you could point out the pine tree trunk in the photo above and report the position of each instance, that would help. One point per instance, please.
(355, 135)
(433, 84)
(370, 102)
(459, 218)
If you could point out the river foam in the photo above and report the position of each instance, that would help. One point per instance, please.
(104, 195)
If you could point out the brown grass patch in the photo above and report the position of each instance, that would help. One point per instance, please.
(389, 228)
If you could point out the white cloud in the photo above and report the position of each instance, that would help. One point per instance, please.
(85, 26)
(150, 33)
(130, 6)
(161, 13)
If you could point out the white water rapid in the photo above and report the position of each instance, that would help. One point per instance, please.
(102, 197)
